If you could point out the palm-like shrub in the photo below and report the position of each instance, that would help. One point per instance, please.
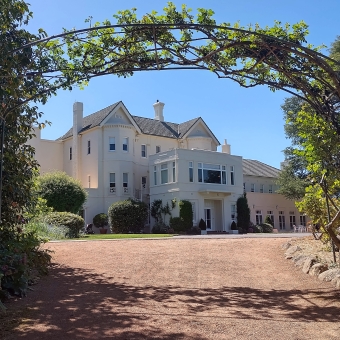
(127, 216)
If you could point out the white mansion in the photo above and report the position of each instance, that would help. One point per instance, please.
(116, 155)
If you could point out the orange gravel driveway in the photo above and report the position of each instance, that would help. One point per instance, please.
(195, 289)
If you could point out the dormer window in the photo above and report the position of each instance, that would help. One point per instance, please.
(158, 149)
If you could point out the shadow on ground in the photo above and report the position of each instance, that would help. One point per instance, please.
(76, 304)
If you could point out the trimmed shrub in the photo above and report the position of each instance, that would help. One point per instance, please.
(268, 220)
(257, 229)
(61, 192)
(194, 231)
(243, 213)
(186, 214)
(202, 225)
(46, 231)
(74, 223)
(233, 226)
(176, 224)
(160, 228)
(101, 220)
(128, 216)
(266, 228)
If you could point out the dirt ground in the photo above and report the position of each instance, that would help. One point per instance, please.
(177, 289)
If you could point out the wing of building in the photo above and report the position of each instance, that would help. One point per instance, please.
(117, 155)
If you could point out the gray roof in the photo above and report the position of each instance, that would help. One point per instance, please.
(256, 168)
(148, 126)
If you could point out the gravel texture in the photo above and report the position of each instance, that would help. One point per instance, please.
(178, 289)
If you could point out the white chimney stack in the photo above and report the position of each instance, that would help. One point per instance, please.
(77, 126)
(226, 147)
(158, 106)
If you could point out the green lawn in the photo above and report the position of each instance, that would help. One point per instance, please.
(119, 236)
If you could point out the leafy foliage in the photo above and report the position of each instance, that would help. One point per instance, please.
(176, 223)
(233, 226)
(128, 216)
(74, 223)
(243, 213)
(268, 220)
(186, 214)
(46, 231)
(21, 257)
(265, 227)
(101, 220)
(61, 192)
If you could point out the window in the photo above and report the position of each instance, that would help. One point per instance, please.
(158, 149)
(125, 144)
(89, 181)
(233, 212)
(270, 190)
(224, 175)
(125, 183)
(174, 171)
(244, 187)
(262, 188)
(210, 173)
(112, 141)
(112, 182)
(88, 147)
(155, 175)
(258, 216)
(292, 219)
(191, 172)
(282, 221)
(164, 173)
(143, 146)
(143, 182)
(70, 153)
(232, 180)
(271, 216)
(303, 220)
(252, 187)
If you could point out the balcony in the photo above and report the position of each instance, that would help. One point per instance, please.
(112, 190)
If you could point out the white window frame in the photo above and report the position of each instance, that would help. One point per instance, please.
(112, 185)
(303, 220)
(112, 139)
(270, 190)
(125, 144)
(252, 187)
(143, 151)
(232, 175)
(191, 172)
(125, 182)
(155, 175)
(292, 219)
(213, 167)
(233, 212)
(282, 220)
(173, 172)
(164, 169)
(261, 188)
(270, 213)
(258, 217)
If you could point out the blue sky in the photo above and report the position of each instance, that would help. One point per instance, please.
(250, 119)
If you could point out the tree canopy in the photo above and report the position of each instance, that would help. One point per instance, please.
(34, 66)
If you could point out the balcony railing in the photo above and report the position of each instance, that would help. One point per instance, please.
(125, 190)
(112, 190)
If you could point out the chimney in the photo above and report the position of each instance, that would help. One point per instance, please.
(226, 147)
(158, 106)
(77, 126)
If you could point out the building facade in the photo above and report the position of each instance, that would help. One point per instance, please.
(116, 155)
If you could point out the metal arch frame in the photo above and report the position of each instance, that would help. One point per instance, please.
(266, 50)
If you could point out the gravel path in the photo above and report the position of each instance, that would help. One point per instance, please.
(178, 289)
